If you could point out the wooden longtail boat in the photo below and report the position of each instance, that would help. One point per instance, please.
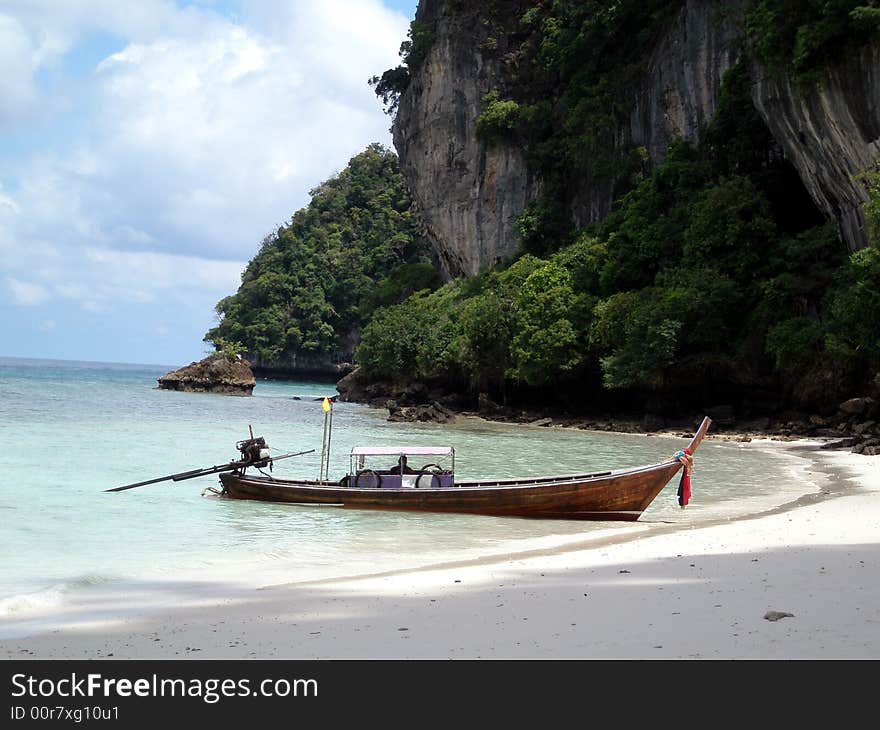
(621, 494)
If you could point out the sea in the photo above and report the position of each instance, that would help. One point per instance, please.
(73, 553)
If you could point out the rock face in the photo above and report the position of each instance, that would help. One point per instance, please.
(469, 193)
(301, 366)
(215, 374)
(405, 401)
(830, 132)
(679, 88)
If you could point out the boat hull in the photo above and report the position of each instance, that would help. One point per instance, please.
(612, 495)
(621, 495)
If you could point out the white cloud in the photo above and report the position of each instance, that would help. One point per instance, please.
(165, 166)
(238, 124)
(7, 205)
(156, 271)
(204, 137)
(17, 59)
(342, 42)
(36, 35)
(60, 25)
(105, 278)
(26, 293)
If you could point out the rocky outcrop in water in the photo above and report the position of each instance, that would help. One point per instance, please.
(216, 373)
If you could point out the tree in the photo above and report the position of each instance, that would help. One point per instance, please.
(314, 282)
(544, 343)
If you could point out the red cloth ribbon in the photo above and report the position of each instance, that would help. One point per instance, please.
(684, 484)
(684, 488)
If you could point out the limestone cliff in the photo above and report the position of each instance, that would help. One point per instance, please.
(469, 194)
(831, 133)
(677, 94)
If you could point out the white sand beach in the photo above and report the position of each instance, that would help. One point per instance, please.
(663, 591)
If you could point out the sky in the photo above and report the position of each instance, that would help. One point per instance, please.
(147, 147)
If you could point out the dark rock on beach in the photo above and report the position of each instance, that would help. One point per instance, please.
(776, 615)
(652, 422)
(723, 415)
(487, 407)
(840, 444)
(357, 388)
(405, 400)
(857, 406)
(434, 412)
(868, 447)
(217, 373)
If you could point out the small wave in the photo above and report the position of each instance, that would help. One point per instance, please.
(46, 599)
(29, 603)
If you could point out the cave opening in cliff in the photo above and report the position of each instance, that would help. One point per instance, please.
(793, 209)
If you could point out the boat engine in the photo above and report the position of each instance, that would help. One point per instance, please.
(254, 452)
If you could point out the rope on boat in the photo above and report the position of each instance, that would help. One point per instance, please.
(684, 456)
(268, 476)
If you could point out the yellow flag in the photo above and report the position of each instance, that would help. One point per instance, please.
(326, 404)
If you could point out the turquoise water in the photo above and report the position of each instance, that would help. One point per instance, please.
(71, 430)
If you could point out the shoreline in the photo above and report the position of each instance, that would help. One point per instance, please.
(816, 556)
(855, 424)
(841, 440)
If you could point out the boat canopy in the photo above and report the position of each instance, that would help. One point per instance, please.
(401, 450)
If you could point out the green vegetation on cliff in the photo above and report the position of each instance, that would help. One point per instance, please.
(307, 292)
(563, 96)
(713, 275)
(392, 83)
(804, 35)
(567, 63)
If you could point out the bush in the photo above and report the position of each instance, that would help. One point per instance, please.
(795, 344)
(871, 208)
(498, 118)
(854, 325)
(545, 342)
